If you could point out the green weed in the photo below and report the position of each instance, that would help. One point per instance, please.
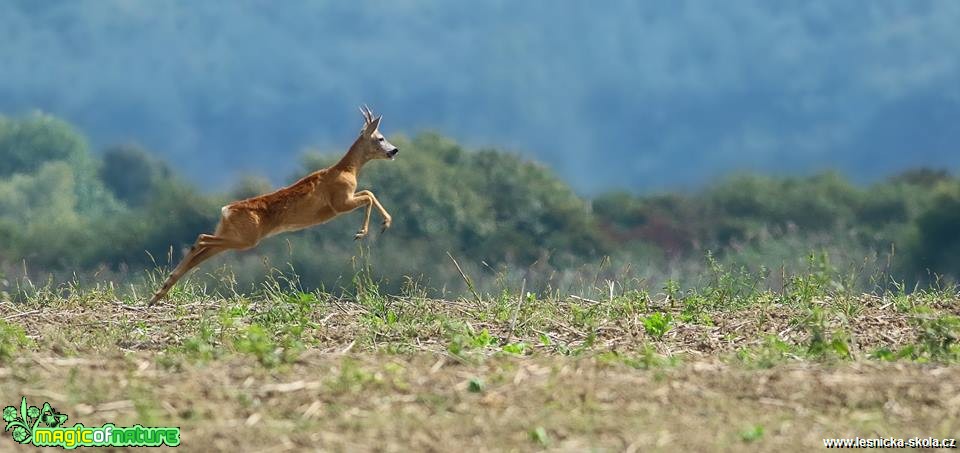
(657, 324)
(752, 433)
(12, 339)
(772, 352)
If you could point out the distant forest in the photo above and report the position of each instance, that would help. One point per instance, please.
(634, 95)
(66, 209)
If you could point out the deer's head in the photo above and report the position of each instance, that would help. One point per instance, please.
(374, 144)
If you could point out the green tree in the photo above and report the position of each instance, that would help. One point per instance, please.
(172, 217)
(27, 143)
(43, 222)
(131, 173)
(938, 234)
(486, 204)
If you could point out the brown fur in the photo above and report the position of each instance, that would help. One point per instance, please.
(314, 199)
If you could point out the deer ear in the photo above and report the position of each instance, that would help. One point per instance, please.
(373, 125)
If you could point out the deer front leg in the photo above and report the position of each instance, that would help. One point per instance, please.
(387, 219)
(350, 201)
(364, 227)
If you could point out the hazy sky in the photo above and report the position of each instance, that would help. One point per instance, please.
(637, 95)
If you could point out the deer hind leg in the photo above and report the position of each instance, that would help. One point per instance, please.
(238, 229)
(206, 247)
(208, 240)
(197, 255)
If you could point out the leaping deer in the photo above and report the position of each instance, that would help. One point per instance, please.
(315, 199)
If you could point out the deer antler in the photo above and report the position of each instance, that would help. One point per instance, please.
(367, 114)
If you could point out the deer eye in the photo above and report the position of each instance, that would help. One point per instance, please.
(380, 139)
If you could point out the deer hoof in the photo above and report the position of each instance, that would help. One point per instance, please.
(359, 235)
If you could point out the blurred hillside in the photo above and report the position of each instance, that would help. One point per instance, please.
(661, 95)
(65, 210)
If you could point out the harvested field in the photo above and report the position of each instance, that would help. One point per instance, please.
(396, 403)
(287, 371)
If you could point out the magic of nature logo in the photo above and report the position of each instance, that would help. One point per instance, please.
(44, 427)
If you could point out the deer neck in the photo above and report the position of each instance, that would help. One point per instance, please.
(353, 160)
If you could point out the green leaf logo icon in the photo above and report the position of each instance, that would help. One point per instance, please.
(51, 417)
(19, 423)
(9, 414)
